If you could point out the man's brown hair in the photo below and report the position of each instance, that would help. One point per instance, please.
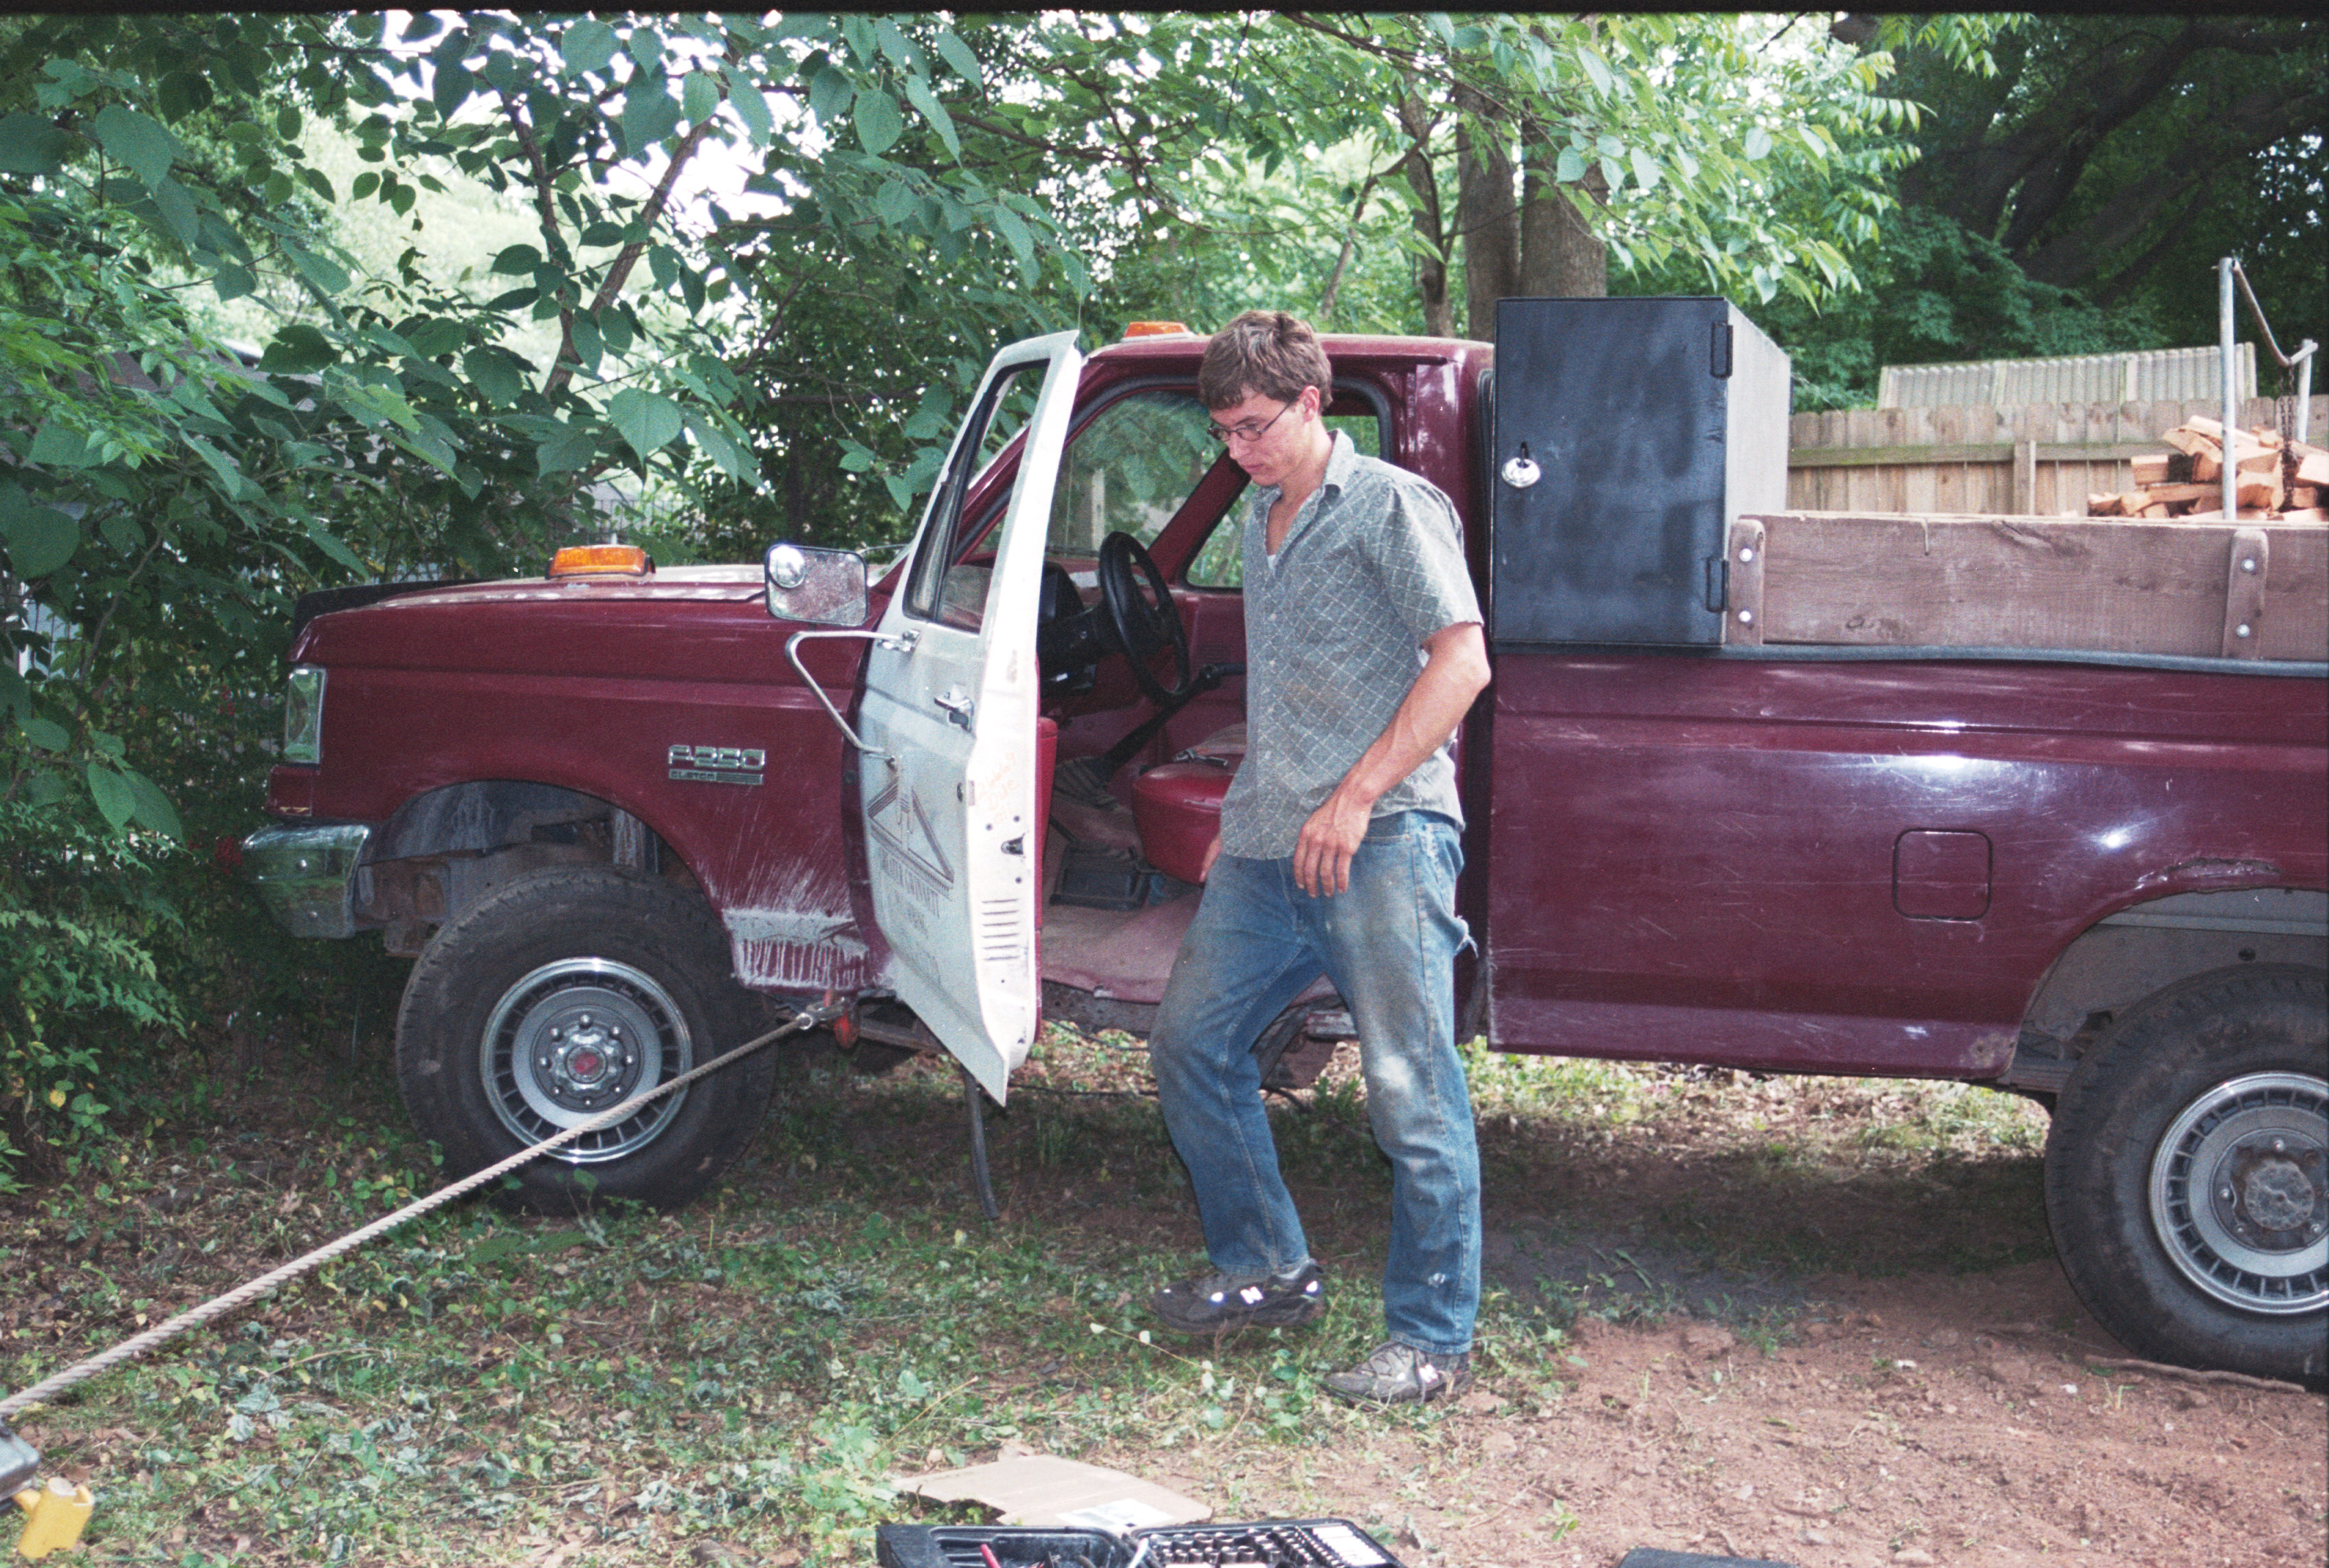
(1266, 352)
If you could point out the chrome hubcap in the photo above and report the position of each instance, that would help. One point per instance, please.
(578, 1037)
(2239, 1196)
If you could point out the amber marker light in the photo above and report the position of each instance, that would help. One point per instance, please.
(601, 560)
(1155, 329)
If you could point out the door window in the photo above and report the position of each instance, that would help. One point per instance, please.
(951, 579)
(1128, 469)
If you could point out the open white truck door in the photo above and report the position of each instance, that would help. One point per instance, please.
(947, 779)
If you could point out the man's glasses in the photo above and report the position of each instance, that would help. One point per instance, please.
(1245, 430)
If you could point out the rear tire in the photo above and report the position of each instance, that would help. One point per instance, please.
(2184, 1174)
(561, 995)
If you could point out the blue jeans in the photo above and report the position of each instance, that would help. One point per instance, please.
(1389, 945)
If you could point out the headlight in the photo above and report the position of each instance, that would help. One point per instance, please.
(303, 714)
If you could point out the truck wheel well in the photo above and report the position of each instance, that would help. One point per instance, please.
(482, 816)
(2142, 949)
(444, 850)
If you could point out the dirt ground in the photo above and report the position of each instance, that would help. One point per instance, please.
(1714, 1402)
(1814, 1322)
(1924, 1419)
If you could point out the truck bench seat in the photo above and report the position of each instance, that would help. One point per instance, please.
(1178, 804)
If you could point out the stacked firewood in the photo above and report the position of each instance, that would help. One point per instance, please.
(2285, 482)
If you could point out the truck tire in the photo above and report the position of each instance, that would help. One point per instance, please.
(559, 996)
(2184, 1174)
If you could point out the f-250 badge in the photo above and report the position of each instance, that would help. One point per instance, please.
(718, 764)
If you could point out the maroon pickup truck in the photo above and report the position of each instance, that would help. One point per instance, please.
(616, 812)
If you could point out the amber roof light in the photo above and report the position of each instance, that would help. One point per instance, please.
(601, 560)
(1155, 329)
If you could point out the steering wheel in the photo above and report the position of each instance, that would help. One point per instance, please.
(1141, 613)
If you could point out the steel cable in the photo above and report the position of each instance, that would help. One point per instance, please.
(252, 1289)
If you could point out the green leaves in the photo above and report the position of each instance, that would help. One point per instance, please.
(123, 795)
(325, 540)
(753, 108)
(700, 96)
(31, 144)
(830, 93)
(879, 123)
(498, 374)
(40, 540)
(326, 275)
(646, 420)
(391, 420)
(959, 55)
(137, 141)
(298, 349)
(1596, 71)
(926, 103)
(589, 45)
(566, 448)
(59, 446)
(720, 448)
(1016, 234)
(649, 115)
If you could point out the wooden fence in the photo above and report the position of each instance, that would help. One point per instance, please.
(2043, 459)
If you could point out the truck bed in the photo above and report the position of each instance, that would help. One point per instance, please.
(2246, 591)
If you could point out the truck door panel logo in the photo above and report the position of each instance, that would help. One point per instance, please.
(719, 764)
(895, 816)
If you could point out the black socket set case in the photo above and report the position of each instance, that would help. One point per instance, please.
(1276, 1544)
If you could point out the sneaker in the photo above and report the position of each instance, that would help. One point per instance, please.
(1397, 1373)
(1224, 1303)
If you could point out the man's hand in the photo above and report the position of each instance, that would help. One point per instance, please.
(1213, 854)
(1322, 855)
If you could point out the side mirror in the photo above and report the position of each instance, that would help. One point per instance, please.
(805, 582)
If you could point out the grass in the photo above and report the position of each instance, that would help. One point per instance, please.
(750, 1375)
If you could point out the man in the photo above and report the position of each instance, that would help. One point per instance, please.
(1339, 851)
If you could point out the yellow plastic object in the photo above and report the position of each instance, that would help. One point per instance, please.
(58, 1512)
(601, 560)
(1155, 329)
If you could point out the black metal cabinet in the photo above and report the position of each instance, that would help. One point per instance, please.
(1627, 435)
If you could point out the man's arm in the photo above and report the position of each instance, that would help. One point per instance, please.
(1442, 695)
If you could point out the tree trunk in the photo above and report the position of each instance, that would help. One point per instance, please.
(1560, 254)
(1431, 268)
(1486, 215)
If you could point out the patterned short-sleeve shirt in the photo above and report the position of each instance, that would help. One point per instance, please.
(1335, 625)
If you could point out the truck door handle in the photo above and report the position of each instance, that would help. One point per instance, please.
(958, 706)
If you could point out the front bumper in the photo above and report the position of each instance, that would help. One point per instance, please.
(306, 876)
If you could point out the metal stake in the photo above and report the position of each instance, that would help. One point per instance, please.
(976, 1098)
(2231, 478)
